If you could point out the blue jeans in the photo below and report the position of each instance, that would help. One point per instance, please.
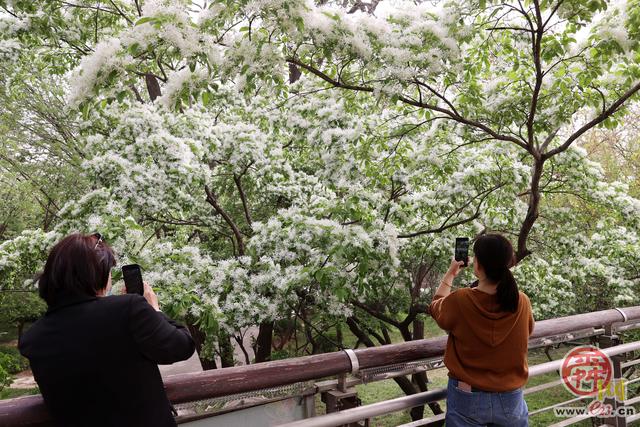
(480, 408)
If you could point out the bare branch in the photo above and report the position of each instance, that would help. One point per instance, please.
(120, 12)
(96, 8)
(138, 8)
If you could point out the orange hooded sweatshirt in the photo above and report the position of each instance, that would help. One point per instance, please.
(487, 348)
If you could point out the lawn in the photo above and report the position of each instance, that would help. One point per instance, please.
(10, 393)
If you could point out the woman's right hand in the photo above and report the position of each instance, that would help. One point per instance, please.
(454, 267)
(151, 297)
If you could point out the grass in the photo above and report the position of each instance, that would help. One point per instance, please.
(548, 396)
(379, 391)
(10, 393)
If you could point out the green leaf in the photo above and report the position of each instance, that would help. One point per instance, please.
(121, 95)
(145, 19)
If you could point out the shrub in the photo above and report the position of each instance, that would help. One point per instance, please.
(12, 361)
(5, 378)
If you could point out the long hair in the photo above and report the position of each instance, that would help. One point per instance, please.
(78, 264)
(495, 253)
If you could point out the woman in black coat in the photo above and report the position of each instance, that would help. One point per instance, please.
(95, 358)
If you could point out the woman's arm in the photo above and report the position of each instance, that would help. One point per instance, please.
(447, 281)
(438, 308)
(157, 336)
(445, 286)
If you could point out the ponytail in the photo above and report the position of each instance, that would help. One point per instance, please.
(507, 292)
(495, 253)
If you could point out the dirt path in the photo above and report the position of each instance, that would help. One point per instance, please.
(23, 380)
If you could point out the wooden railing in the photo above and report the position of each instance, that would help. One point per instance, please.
(30, 411)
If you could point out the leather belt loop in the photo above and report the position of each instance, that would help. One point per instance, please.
(355, 365)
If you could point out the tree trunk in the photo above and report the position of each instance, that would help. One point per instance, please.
(532, 211)
(418, 329)
(294, 73)
(199, 338)
(309, 334)
(226, 349)
(263, 342)
(153, 87)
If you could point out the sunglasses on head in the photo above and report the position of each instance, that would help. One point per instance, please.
(100, 239)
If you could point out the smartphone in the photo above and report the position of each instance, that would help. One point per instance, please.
(462, 250)
(132, 276)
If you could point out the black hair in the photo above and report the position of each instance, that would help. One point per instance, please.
(495, 254)
(77, 265)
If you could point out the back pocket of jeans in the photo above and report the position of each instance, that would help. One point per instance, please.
(512, 403)
(465, 402)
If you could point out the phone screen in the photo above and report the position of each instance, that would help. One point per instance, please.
(462, 250)
(132, 276)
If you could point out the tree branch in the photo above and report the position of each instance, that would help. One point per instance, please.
(596, 121)
(213, 201)
(376, 313)
(245, 205)
(482, 195)
(120, 12)
(536, 45)
(449, 113)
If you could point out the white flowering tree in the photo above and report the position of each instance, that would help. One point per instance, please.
(285, 160)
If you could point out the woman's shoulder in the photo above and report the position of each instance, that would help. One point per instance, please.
(525, 300)
(523, 296)
(463, 293)
(122, 300)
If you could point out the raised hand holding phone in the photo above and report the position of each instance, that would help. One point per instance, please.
(133, 283)
(132, 276)
(454, 269)
(151, 297)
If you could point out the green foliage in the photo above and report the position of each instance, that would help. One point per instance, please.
(12, 361)
(20, 307)
(5, 377)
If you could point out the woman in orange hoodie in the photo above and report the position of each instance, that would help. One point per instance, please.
(489, 325)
